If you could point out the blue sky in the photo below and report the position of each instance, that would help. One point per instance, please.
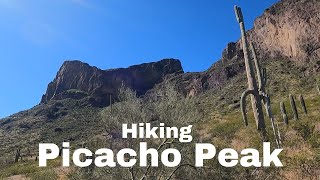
(37, 36)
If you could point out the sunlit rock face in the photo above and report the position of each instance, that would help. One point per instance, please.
(289, 29)
(78, 80)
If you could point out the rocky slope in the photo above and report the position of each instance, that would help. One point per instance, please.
(287, 40)
(287, 32)
(78, 80)
(290, 29)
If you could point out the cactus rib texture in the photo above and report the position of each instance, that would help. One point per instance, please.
(252, 83)
(293, 107)
(256, 88)
(303, 104)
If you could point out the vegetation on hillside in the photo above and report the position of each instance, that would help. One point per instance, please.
(215, 116)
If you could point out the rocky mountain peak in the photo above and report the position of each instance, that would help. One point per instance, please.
(290, 30)
(78, 80)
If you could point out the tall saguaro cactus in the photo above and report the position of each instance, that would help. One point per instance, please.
(256, 90)
(293, 107)
(284, 113)
(252, 83)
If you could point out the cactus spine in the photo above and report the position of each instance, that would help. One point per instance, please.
(303, 104)
(284, 113)
(252, 83)
(293, 107)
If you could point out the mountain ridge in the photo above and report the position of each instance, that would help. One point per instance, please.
(288, 30)
(72, 108)
(78, 80)
(303, 45)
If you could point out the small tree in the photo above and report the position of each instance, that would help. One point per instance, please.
(165, 105)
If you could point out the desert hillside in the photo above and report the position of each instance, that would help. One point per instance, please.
(86, 105)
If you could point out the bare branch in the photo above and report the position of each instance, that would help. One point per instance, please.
(173, 172)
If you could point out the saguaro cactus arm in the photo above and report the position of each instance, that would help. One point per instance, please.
(257, 65)
(261, 75)
(243, 104)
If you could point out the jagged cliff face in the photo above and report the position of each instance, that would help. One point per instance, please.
(78, 80)
(289, 29)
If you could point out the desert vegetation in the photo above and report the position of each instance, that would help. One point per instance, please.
(288, 89)
(216, 117)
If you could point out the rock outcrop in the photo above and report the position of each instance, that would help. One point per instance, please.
(216, 76)
(290, 29)
(78, 80)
